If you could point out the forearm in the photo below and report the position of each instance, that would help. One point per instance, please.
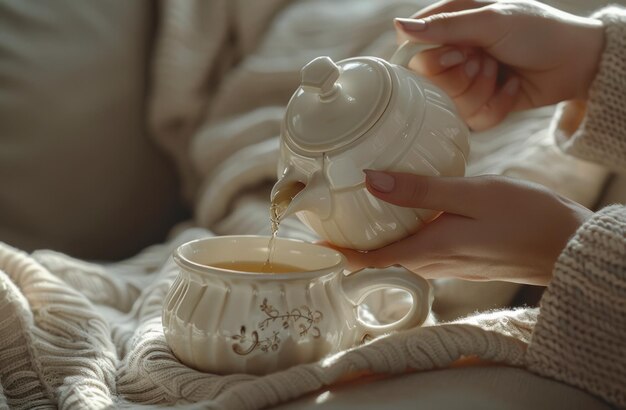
(595, 129)
(580, 337)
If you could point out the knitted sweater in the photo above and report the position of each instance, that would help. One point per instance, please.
(580, 335)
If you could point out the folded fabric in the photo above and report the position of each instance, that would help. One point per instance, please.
(81, 335)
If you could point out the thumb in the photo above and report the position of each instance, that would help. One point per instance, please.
(456, 195)
(475, 27)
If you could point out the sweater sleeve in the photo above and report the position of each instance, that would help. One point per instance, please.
(595, 129)
(580, 335)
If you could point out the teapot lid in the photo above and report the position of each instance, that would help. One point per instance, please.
(336, 103)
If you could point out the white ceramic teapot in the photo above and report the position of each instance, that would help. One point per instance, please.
(364, 113)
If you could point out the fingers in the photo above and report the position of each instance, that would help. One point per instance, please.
(453, 69)
(468, 75)
(479, 27)
(447, 6)
(457, 80)
(472, 83)
(480, 90)
(426, 253)
(498, 106)
(461, 196)
(437, 60)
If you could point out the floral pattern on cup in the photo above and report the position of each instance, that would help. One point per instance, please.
(303, 317)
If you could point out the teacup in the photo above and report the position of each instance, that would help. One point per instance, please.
(221, 320)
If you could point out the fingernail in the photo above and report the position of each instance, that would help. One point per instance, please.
(512, 86)
(490, 68)
(451, 58)
(471, 68)
(411, 24)
(380, 181)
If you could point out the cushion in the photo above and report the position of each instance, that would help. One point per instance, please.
(77, 170)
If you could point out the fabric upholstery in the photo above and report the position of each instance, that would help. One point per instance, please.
(77, 171)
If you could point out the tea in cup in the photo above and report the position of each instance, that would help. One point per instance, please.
(229, 312)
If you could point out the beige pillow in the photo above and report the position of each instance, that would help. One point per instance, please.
(78, 173)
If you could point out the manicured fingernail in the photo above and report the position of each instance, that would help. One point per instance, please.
(490, 68)
(411, 24)
(451, 58)
(512, 86)
(380, 181)
(471, 68)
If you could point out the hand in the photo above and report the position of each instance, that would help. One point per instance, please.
(500, 56)
(492, 227)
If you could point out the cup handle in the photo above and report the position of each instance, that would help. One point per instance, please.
(407, 50)
(357, 285)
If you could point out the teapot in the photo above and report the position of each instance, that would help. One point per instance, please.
(364, 113)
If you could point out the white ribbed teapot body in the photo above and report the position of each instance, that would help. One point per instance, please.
(418, 132)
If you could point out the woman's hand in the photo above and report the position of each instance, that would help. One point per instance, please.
(500, 56)
(492, 228)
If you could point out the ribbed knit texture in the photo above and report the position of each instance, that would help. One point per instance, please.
(580, 337)
(53, 347)
(63, 344)
(601, 137)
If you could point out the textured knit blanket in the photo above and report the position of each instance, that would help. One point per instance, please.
(79, 335)
(76, 334)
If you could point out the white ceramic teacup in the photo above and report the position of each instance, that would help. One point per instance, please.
(224, 321)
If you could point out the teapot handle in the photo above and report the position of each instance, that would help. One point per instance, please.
(407, 50)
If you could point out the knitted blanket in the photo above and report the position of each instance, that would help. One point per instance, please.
(76, 334)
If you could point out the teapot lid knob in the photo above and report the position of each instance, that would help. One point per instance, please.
(319, 76)
(336, 103)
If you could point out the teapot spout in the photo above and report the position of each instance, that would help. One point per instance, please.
(290, 195)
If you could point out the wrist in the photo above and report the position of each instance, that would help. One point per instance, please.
(590, 52)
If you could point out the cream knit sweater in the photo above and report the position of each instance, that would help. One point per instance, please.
(580, 336)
